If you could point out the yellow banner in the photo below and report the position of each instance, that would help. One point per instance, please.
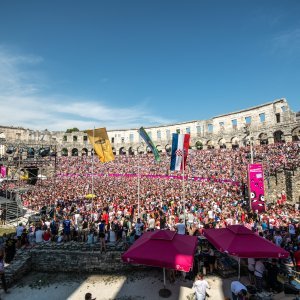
(24, 175)
(100, 141)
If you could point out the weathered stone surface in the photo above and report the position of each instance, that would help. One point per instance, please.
(69, 257)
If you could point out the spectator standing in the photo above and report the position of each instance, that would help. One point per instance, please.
(67, 228)
(259, 270)
(102, 236)
(200, 286)
(139, 228)
(180, 227)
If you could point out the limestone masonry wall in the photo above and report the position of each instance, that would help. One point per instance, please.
(70, 257)
(284, 180)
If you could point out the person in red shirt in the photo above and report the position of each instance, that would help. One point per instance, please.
(47, 235)
(105, 217)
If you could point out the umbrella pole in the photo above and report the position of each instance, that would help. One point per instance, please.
(239, 271)
(165, 293)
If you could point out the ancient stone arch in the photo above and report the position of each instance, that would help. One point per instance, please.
(222, 143)
(148, 149)
(64, 152)
(235, 142)
(296, 134)
(159, 148)
(122, 151)
(84, 151)
(74, 152)
(168, 149)
(263, 138)
(210, 144)
(131, 151)
(199, 145)
(278, 136)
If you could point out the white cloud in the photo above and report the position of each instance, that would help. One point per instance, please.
(287, 41)
(24, 103)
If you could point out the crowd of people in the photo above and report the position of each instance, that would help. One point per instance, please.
(91, 202)
(159, 199)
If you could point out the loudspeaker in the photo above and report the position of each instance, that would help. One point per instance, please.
(44, 151)
(10, 150)
(30, 152)
(32, 175)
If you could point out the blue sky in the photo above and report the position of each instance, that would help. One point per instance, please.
(126, 64)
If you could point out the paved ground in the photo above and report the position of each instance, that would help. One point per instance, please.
(142, 285)
(135, 286)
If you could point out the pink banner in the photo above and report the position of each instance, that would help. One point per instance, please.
(3, 171)
(256, 187)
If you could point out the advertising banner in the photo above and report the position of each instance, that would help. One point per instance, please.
(2, 171)
(256, 187)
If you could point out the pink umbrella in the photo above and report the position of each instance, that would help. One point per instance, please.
(237, 240)
(163, 248)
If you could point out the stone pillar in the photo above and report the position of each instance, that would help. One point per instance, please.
(288, 138)
(270, 139)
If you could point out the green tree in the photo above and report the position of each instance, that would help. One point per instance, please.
(70, 130)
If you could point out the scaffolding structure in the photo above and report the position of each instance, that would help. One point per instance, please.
(20, 159)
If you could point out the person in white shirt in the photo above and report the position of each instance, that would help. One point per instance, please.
(39, 235)
(259, 270)
(151, 222)
(200, 286)
(277, 239)
(238, 290)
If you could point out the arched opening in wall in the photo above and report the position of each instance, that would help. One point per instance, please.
(114, 151)
(74, 152)
(235, 143)
(148, 150)
(263, 139)
(64, 152)
(168, 149)
(296, 134)
(199, 145)
(222, 143)
(159, 148)
(84, 152)
(278, 136)
(140, 149)
(210, 144)
(131, 151)
(122, 151)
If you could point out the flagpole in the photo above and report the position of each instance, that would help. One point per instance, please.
(183, 187)
(138, 181)
(93, 163)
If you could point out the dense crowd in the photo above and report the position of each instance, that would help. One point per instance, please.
(90, 202)
(73, 202)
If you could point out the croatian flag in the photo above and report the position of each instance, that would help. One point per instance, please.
(180, 147)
